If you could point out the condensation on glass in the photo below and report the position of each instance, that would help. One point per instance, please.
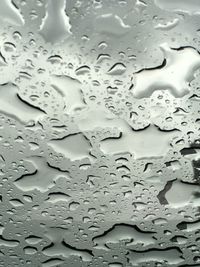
(99, 133)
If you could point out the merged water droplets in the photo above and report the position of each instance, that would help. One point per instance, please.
(99, 133)
(55, 25)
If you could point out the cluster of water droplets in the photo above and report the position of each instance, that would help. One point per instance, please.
(99, 133)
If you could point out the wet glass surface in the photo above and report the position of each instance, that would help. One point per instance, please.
(99, 133)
